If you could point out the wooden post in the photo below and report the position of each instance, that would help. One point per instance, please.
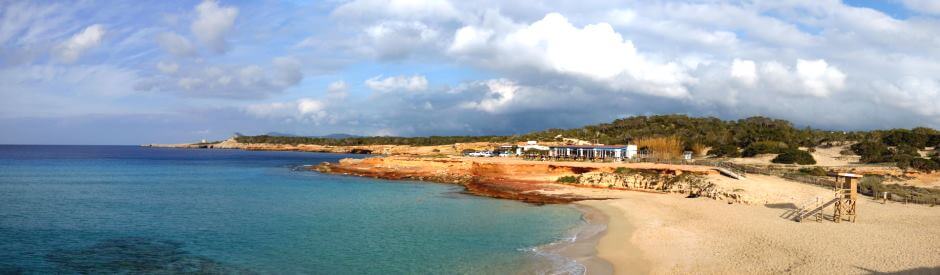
(885, 198)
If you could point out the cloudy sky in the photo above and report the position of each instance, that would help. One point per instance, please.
(132, 72)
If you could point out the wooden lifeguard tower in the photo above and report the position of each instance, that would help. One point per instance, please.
(846, 187)
(844, 203)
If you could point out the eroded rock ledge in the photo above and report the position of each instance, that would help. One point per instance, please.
(527, 181)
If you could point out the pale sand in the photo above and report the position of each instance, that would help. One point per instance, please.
(584, 249)
(669, 234)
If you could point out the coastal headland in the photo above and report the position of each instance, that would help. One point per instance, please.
(674, 219)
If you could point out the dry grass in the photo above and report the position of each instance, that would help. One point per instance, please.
(699, 149)
(662, 147)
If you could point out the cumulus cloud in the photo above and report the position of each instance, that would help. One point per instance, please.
(397, 40)
(73, 48)
(595, 52)
(213, 23)
(521, 65)
(819, 78)
(175, 44)
(917, 94)
(413, 83)
(301, 110)
(744, 71)
(248, 81)
(500, 93)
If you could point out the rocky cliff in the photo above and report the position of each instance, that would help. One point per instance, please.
(512, 179)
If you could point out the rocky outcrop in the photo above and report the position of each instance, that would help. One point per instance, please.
(407, 150)
(693, 185)
(492, 177)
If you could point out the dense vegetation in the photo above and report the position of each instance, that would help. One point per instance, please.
(352, 141)
(748, 137)
(900, 146)
(874, 186)
(791, 156)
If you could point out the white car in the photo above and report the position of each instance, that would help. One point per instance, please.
(481, 154)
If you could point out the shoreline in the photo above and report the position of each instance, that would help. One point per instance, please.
(614, 246)
(581, 246)
(668, 234)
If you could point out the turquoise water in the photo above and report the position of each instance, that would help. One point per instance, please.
(127, 209)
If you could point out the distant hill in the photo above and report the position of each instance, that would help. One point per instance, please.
(753, 135)
(278, 134)
(332, 136)
(339, 136)
(707, 131)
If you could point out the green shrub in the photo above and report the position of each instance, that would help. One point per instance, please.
(926, 165)
(919, 137)
(727, 150)
(568, 179)
(872, 152)
(934, 141)
(871, 185)
(814, 171)
(874, 186)
(764, 147)
(797, 156)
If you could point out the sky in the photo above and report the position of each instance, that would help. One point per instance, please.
(138, 72)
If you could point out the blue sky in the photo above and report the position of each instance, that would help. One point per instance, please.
(133, 72)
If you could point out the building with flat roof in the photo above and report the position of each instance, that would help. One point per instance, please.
(611, 152)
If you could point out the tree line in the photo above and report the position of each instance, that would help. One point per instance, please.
(743, 137)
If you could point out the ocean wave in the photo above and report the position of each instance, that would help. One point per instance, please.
(555, 252)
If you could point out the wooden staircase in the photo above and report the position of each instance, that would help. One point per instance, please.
(813, 208)
(727, 172)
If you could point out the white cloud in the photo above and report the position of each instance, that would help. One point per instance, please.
(167, 67)
(213, 23)
(63, 90)
(552, 44)
(916, 94)
(397, 40)
(248, 81)
(304, 109)
(500, 93)
(819, 78)
(744, 71)
(175, 44)
(308, 106)
(924, 6)
(337, 90)
(397, 83)
(73, 48)
(434, 10)
(810, 78)
(470, 39)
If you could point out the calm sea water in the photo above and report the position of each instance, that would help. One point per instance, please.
(128, 209)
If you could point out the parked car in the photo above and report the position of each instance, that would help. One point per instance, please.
(481, 154)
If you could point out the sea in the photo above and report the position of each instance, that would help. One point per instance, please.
(132, 210)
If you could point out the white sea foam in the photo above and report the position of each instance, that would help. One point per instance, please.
(556, 253)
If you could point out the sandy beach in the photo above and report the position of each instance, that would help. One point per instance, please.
(746, 229)
(669, 234)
